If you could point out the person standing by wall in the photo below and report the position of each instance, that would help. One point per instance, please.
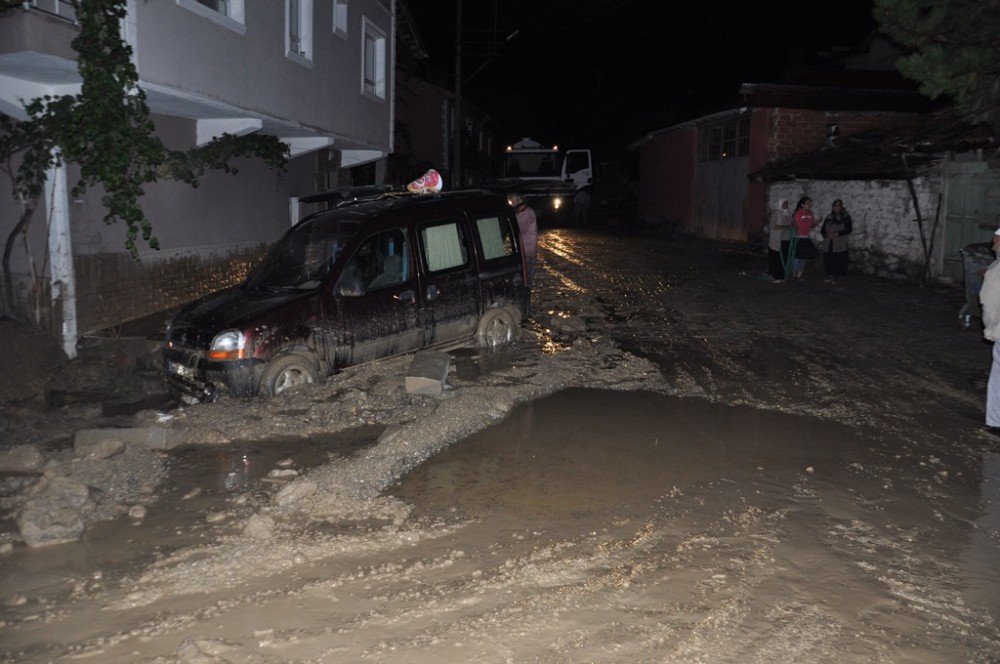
(836, 227)
(778, 239)
(805, 250)
(989, 298)
(528, 225)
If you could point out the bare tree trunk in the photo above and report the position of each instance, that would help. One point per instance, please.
(21, 228)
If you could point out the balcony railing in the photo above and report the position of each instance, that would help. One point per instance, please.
(61, 8)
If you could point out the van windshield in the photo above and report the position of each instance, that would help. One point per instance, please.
(302, 259)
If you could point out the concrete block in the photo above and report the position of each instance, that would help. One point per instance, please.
(428, 372)
(154, 438)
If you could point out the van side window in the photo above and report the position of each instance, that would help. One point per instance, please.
(383, 260)
(444, 246)
(496, 238)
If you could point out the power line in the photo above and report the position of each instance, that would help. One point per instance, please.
(599, 12)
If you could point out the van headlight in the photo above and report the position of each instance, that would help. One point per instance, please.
(228, 345)
(556, 203)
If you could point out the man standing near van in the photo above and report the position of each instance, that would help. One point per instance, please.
(528, 225)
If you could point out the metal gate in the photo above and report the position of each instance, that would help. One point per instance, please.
(973, 210)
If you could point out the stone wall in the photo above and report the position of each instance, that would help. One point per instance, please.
(112, 287)
(885, 240)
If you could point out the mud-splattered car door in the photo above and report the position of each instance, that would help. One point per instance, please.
(375, 301)
(450, 287)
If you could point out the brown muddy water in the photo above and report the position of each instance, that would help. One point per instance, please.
(614, 527)
(681, 530)
(223, 480)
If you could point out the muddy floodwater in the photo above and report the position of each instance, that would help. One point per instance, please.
(206, 485)
(679, 462)
(666, 527)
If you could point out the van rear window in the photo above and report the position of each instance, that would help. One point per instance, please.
(495, 237)
(444, 246)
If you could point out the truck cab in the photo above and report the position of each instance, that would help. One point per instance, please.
(530, 160)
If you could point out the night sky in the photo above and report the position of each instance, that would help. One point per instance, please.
(600, 73)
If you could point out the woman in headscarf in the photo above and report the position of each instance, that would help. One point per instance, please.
(805, 250)
(778, 236)
(836, 227)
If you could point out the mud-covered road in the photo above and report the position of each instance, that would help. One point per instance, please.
(718, 470)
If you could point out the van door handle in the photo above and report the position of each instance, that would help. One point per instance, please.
(432, 293)
(405, 296)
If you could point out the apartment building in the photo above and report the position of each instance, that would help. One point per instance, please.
(315, 73)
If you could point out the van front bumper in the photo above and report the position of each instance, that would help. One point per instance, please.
(193, 374)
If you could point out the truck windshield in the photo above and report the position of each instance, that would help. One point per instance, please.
(532, 164)
(302, 259)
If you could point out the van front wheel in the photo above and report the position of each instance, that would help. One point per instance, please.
(288, 371)
(497, 328)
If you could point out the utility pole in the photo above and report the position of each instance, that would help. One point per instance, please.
(456, 160)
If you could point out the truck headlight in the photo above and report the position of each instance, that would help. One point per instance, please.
(228, 345)
(556, 203)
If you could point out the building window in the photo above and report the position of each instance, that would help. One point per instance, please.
(724, 140)
(715, 143)
(63, 8)
(373, 61)
(729, 140)
(221, 6)
(298, 36)
(227, 13)
(743, 137)
(340, 18)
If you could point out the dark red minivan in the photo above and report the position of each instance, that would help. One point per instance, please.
(366, 280)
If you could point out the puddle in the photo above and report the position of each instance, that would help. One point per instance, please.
(470, 364)
(591, 451)
(214, 474)
(690, 502)
(243, 465)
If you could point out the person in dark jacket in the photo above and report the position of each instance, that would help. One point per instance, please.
(836, 227)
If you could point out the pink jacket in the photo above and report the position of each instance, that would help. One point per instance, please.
(529, 230)
(804, 220)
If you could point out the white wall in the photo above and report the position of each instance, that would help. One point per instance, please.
(189, 53)
(885, 240)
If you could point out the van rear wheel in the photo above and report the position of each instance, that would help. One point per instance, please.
(497, 328)
(288, 371)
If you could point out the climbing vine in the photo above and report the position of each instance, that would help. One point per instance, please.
(106, 130)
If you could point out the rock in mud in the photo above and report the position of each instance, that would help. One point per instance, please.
(259, 526)
(390, 434)
(428, 373)
(154, 438)
(137, 512)
(21, 459)
(121, 477)
(98, 449)
(295, 492)
(283, 473)
(54, 513)
(208, 437)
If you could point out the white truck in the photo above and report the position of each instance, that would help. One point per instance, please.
(548, 178)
